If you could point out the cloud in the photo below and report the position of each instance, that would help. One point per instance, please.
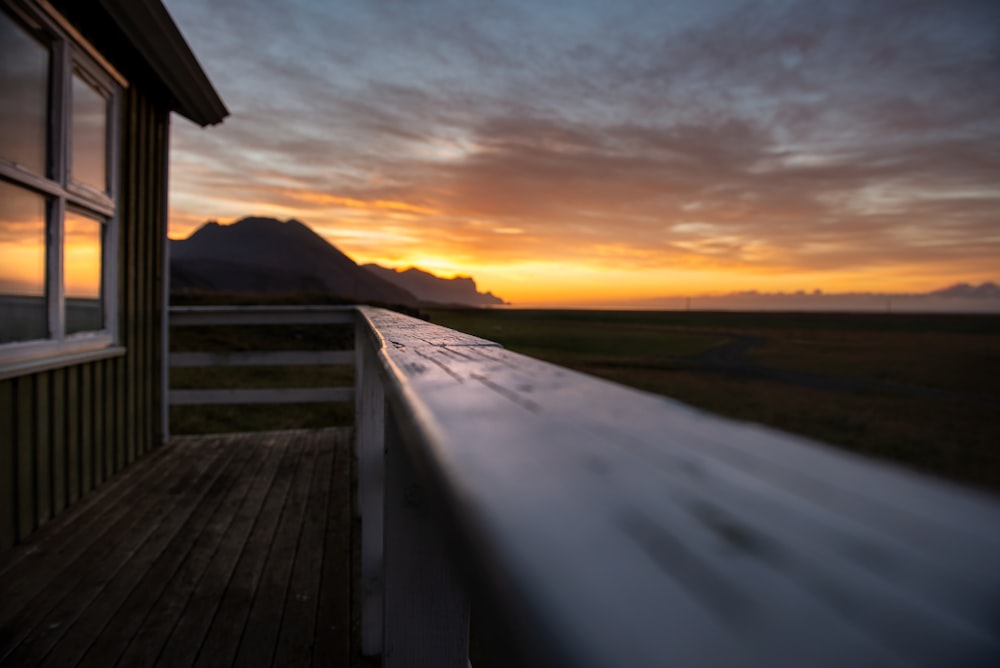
(766, 137)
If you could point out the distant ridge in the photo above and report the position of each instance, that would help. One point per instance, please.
(265, 255)
(987, 290)
(958, 298)
(459, 291)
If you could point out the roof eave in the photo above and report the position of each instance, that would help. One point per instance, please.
(153, 33)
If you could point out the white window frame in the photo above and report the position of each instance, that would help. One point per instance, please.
(68, 52)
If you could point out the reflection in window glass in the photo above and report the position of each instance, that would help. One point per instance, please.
(24, 85)
(89, 144)
(83, 250)
(23, 310)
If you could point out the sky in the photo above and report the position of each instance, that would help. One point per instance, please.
(572, 152)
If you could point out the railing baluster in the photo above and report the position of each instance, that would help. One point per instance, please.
(369, 425)
(426, 604)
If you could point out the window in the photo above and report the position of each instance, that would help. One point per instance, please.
(57, 191)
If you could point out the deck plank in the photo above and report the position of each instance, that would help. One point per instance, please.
(227, 628)
(44, 565)
(187, 607)
(298, 624)
(59, 605)
(265, 618)
(168, 583)
(333, 622)
(99, 508)
(212, 549)
(158, 557)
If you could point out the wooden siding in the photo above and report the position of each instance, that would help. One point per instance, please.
(65, 431)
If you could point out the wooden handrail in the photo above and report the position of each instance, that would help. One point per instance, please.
(618, 528)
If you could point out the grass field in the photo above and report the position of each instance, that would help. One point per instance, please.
(214, 419)
(922, 390)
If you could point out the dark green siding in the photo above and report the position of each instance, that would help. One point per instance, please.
(65, 431)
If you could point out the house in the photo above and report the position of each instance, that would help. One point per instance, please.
(86, 92)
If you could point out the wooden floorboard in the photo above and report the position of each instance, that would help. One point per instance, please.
(265, 618)
(214, 550)
(223, 638)
(186, 608)
(69, 595)
(333, 621)
(73, 524)
(200, 532)
(64, 645)
(298, 628)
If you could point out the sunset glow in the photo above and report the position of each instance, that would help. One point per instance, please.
(590, 153)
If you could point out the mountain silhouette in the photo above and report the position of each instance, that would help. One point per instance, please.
(428, 288)
(987, 290)
(267, 255)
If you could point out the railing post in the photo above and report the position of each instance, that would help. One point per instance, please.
(426, 604)
(370, 443)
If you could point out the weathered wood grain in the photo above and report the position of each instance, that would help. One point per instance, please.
(369, 424)
(298, 631)
(333, 613)
(194, 551)
(426, 599)
(199, 535)
(157, 555)
(266, 611)
(33, 630)
(72, 531)
(173, 631)
(626, 529)
(222, 641)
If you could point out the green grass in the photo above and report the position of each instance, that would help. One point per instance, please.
(258, 417)
(893, 358)
(579, 336)
(215, 419)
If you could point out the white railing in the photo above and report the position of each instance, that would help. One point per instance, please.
(610, 527)
(258, 315)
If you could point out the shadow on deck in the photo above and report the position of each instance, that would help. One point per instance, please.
(213, 550)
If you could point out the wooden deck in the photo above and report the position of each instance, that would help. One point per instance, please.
(211, 551)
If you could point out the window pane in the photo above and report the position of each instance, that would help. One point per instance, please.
(90, 135)
(83, 249)
(24, 86)
(23, 310)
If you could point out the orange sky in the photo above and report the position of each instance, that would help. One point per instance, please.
(571, 154)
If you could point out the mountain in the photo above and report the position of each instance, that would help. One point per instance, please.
(267, 255)
(987, 290)
(427, 287)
